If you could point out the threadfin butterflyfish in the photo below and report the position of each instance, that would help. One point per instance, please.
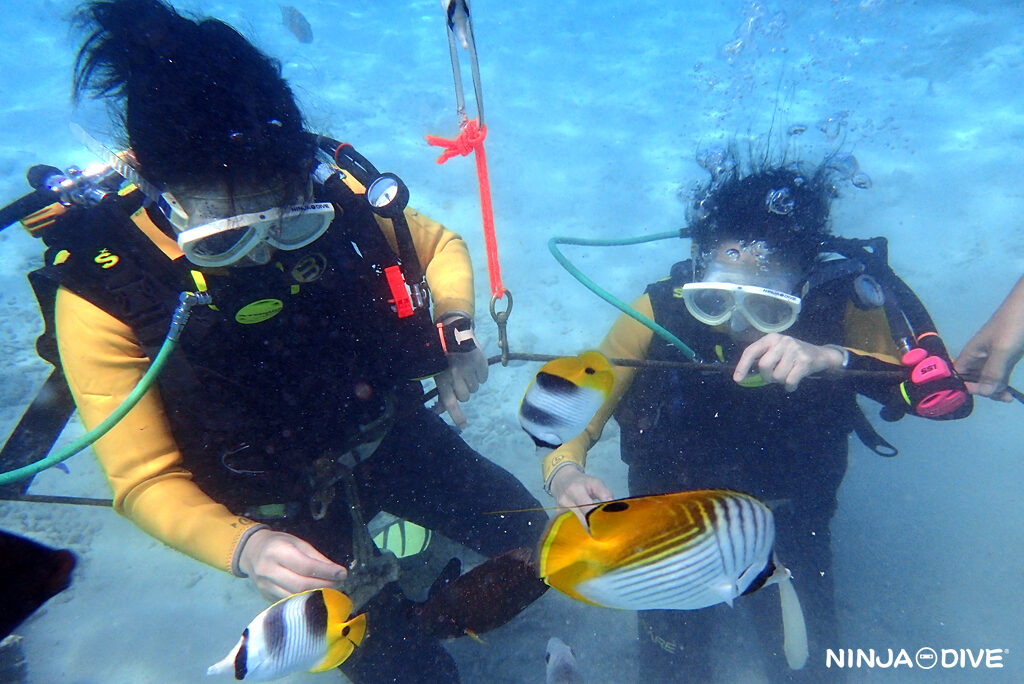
(308, 631)
(671, 551)
(678, 551)
(564, 396)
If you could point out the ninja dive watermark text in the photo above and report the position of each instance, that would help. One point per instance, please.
(923, 659)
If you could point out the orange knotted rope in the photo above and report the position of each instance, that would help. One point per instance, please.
(471, 139)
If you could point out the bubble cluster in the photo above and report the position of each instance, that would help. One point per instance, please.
(717, 161)
(846, 167)
(780, 201)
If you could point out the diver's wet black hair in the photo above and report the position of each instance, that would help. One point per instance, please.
(201, 104)
(786, 206)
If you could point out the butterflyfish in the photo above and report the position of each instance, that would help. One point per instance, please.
(297, 24)
(457, 12)
(564, 396)
(561, 663)
(680, 551)
(308, 631)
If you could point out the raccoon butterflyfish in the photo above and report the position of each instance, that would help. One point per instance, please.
(678, 551)
(564, 396)
(308, 631)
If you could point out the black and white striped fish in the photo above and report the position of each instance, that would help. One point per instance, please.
(308, 631)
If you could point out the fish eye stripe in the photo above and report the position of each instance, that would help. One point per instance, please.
(242, 657)
(761, 579)
(556, 384)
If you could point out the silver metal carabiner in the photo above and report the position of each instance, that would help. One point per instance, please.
(460, 30)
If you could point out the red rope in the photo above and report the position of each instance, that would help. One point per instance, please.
(471, 139)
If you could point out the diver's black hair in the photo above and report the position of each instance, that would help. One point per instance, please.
(202, 105)
(784, 204)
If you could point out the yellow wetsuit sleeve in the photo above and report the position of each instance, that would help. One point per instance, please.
(627, 339)
(444, 259)
(103, 362)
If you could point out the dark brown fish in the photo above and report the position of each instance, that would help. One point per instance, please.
(296, 23)
(30, 574)
(485, 598)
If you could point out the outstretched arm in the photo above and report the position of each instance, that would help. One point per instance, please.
(990, 356)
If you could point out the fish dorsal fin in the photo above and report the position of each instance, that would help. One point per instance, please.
(339, 605)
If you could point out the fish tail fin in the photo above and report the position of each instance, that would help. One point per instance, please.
(357, 629)
(225, 666)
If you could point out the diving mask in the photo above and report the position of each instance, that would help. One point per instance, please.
(765, 309)
(211, 235)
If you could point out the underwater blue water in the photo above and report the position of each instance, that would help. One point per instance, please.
(596, 112)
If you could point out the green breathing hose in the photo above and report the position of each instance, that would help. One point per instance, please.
(607, 296)
(178, 320)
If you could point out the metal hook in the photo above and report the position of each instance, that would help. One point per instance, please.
(501, 319)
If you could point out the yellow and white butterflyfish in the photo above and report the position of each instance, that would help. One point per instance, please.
(308, 631)
(680, 551)
(564, 396)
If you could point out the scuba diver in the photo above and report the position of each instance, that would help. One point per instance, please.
(300, 382)
(767, 288)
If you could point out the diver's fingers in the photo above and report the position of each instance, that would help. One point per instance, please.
(748, 358)
(797, 372)
(769, 361)
(451, 406)
(446, 399)
(286, 582)
(464, 384)
(599, 490)
(458, 417)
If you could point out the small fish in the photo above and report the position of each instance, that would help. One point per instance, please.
(307, 631)
(671, 551)
(564, 396)
(30, 575)
(457, 12)
(678, 551)
(485, 598)
(561, 663)
(296, 24)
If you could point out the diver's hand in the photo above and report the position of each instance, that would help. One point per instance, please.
(575, 490)
(280, 564)
(786, 360)
(466, 372)
(989, 357)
